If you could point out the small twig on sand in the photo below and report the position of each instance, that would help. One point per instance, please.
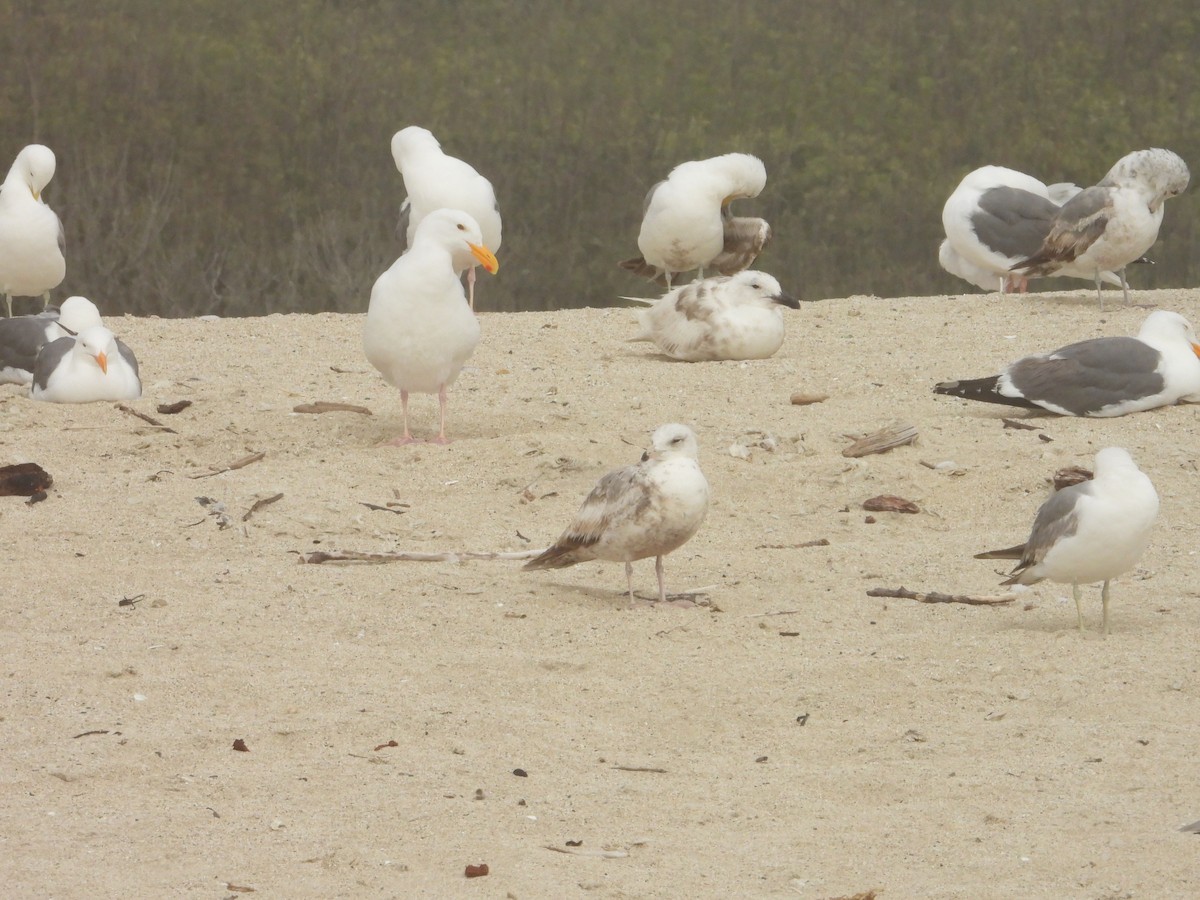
(819, 542)
(259, 504)
(236, 464)
(935, 597)
(895, 435)
(588, 851)
(145, 418)
(324, 406)
(1019, 425)
(321, 556)
(640, 769)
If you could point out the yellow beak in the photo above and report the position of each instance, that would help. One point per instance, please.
(486, 257)
(1196, 349)
(103, 360)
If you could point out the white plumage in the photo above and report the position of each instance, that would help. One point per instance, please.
(419, 330)
(640, 511)
(22, 337)
(1088, 532)
(93, 366)
(687, 224)
(435, 180)
(31, 236)
(734, 317)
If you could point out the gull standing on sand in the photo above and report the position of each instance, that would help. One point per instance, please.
(1088, 532)
(22, 337)
(1106, 227)
(1101, 377)
(639, 511)
(997, 217)
(93, 366)
(435, 180)
(420, 330)
(728, 317)
(31, 235)
(687, 224)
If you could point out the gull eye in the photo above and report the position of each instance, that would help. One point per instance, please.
(461, 227)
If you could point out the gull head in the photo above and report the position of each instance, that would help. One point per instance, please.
(672, 440)
(1165, 326)
(34, 166)
(77, 314)
(97, 343)
(761, 289)
(411, 141)
(1160, 174)
(459, 233)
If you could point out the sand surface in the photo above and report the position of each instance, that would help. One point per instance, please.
(793, 738)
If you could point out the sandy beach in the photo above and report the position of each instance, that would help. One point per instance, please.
(787, 736)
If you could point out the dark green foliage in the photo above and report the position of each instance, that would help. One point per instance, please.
(233, 157)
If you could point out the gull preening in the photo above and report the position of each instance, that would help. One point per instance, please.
(687, 223)
(93, 366)
(1100, 377)
(31, 235)
(1114, 223)
(23, 337)
(640, 511)
(1088, 532)
(727, 317)
(997, 217)
(435, 180)
(420, 330)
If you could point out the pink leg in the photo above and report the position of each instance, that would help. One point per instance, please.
(629, 580)
(471, 287)
(405, 438)
(441, 438)
(658, 570)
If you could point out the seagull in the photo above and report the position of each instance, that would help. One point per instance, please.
(1106, 227)
(687, 224)
(727, 317)
(31, 235)
(640, 511)
(435, 180)
(1088, 532)
(420, 330)
(93, 366)
(21, 337)
(1100, 377)
(997, 217)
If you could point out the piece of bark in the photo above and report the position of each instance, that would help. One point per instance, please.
(322, 556)
(890, 503)
(1019, 425)
(1070, 475)
(236, 464)
(23, 480)
(895, 435)
(259, 504)
(324, 406)
(800, 398)
(170, 409)
(936, 597)
(145, 418)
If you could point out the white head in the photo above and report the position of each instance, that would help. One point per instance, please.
(77, 314)
(459, 233)
(762, 289)
(1161, 173)
(1113, 458)
(1165, 326)
(412, 140)
(33, 167)
(97, 344)
(746, 174)
(672, 440)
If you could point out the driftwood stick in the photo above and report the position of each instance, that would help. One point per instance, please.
(935, 597)
(895, 435)
(236, 464)
(324, 406)
(322, 556)
(259, 504)
(145, 418)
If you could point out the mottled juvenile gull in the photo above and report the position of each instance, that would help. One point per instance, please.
(1088, 532)
(93, 366)
(435, 180)
(997, 217)
(737, 317)
(419, 330)
(687, 224)
(31, 236)
(21, 337)
(1100, 377)
(639, 511)
(1106, 227)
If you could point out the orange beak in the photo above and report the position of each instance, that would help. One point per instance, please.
(103, 360)
(1196, 349)
(486, 257)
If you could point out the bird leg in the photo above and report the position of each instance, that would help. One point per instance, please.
(471, 287)
(629, 579)
(1078, 594)
(441, 438)
(45, 301)
(1124, 287)
(1104, 600)
(1099, 292)
(405, 438)
(658, 570)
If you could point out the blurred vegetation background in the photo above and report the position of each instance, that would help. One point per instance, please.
(232, 157)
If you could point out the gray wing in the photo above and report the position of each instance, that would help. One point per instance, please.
(128, 356)
(62, 237)
(617, 496)
(48, 359)
(20, 340)
(1013, 222)
(1084, 378)
(1078, 225)
(1058, 518)
(402, 224)
(745, 239)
